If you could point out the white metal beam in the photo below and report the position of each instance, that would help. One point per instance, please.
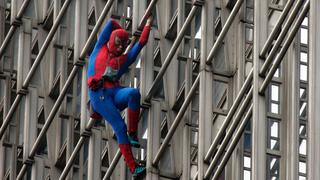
(313, 143)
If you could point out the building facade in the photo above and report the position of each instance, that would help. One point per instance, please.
(230, 89)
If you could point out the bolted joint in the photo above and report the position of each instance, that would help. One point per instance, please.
(206, 68)
(198, 3)
(29, 161)
(86, 133)
(23, 91)
(262, 57)
(137, 33)
(80, 62)
(16, 22)
(145, 105)
(153, 170)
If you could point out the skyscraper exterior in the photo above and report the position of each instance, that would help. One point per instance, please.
(229, 90)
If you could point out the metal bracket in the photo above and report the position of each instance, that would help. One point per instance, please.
(16, 22)
(153, 170)
(198, 3)
(86, 133)
(137, 33)
(145, 105)
(29, 161)
(80, 63)
(23, 91)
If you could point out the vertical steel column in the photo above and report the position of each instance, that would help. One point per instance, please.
(24, 52)
(14, 9)
(138, 10)
(259, 124)
(30, 123)
(81, 31)
(313, 145)
(6, 106)
(37, 171)
(186, 145)
(146, 66)
(24, 56)
(2, 35)
(154, 128)
(3, 85)
(291, 118)
(94, 157)
(80, 36)
(205, 89)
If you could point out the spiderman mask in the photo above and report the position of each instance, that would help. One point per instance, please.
(119, 41)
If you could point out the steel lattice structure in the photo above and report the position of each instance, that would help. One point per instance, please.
(230, 89)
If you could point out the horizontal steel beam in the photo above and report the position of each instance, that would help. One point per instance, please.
(285, 47)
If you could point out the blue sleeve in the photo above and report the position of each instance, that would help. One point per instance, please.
(105, 34)
(131, 57)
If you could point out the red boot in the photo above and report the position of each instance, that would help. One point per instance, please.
(133, 120)
(125, 150)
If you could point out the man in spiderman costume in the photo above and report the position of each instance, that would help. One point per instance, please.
(107, 64)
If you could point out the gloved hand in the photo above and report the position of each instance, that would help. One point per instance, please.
(149, 20)
(96, 84)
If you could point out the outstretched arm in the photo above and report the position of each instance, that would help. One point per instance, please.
(137, 47)
(106, 32)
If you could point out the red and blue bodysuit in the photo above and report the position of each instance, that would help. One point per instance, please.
(106, 65)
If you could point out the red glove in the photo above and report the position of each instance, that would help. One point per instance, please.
(145, 32)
